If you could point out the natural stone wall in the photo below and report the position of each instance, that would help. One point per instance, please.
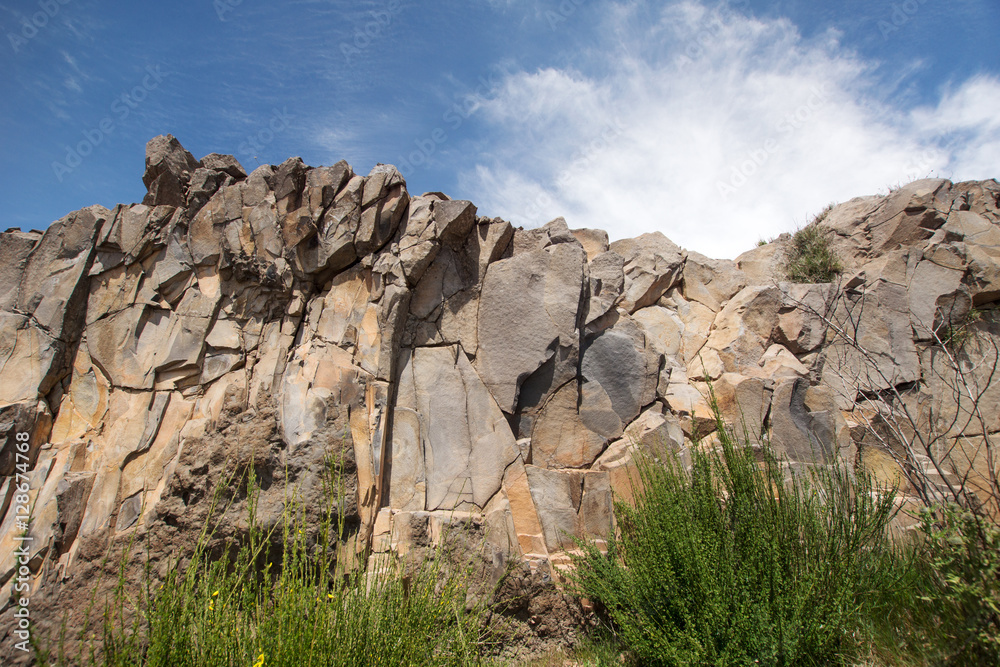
(453, 365)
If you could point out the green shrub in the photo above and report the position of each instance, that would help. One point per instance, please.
(958, 602)
(249, 608)
(811, 258)
(727, 563)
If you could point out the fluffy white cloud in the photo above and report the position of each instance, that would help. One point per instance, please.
(715, 128)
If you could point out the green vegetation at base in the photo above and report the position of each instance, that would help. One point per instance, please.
(302, 607)
(728, 563)
(956, 603)
(731, 560)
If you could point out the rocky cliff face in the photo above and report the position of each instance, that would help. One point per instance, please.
(449, 366)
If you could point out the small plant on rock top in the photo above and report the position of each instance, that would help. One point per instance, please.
(811, 258)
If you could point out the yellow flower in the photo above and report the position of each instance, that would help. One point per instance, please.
(260, 661)
(211, 606)
(215, 594)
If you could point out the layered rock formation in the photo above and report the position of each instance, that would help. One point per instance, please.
(448, 366)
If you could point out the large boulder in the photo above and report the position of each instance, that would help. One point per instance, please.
(454, 438)
(527, 316)
(653, 264)
(168, 171)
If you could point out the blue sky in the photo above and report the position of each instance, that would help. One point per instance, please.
(717, 123)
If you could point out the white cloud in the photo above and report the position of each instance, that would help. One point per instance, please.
(715, 128)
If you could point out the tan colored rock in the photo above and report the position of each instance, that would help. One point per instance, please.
(764, 266)
(653, 265)
(653, 437)
(465, 440)
(744, 327)
(335, 249)
(501, 534)
(114, 290)
(15, 246)
(697, 320)
(323, 184)
(690, 406)
(527, 315)
(984, 274)
(803, 318)
(224, 163)
(30, 359)
(663, 329)
(383, 206)
(168, 170)
(52, 290)
(594, 241)
(206, 233)
(655, 431)
(711, 282)
(626, 367)
(884, 354)
(573, 427)
(937, 298)
(347, 317)
(778, 362)
(84, 406)
(369, 432)
(972, 228)
(33, 418)
(744, 403)
(708, 365)
(295, 317)
(606, 282)
(524, 514)
(908, 215)
(806, 425)
(571, 504)
(551, 233)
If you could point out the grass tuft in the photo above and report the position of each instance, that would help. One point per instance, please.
(811, 258)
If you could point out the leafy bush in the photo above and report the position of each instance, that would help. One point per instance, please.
(811, 258)
(959, 599)
(727, 563)
(302, 608)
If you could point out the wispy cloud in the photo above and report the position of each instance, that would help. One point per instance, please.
(717, 129)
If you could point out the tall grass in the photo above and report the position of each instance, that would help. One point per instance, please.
(728, 563)
(297, 603)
